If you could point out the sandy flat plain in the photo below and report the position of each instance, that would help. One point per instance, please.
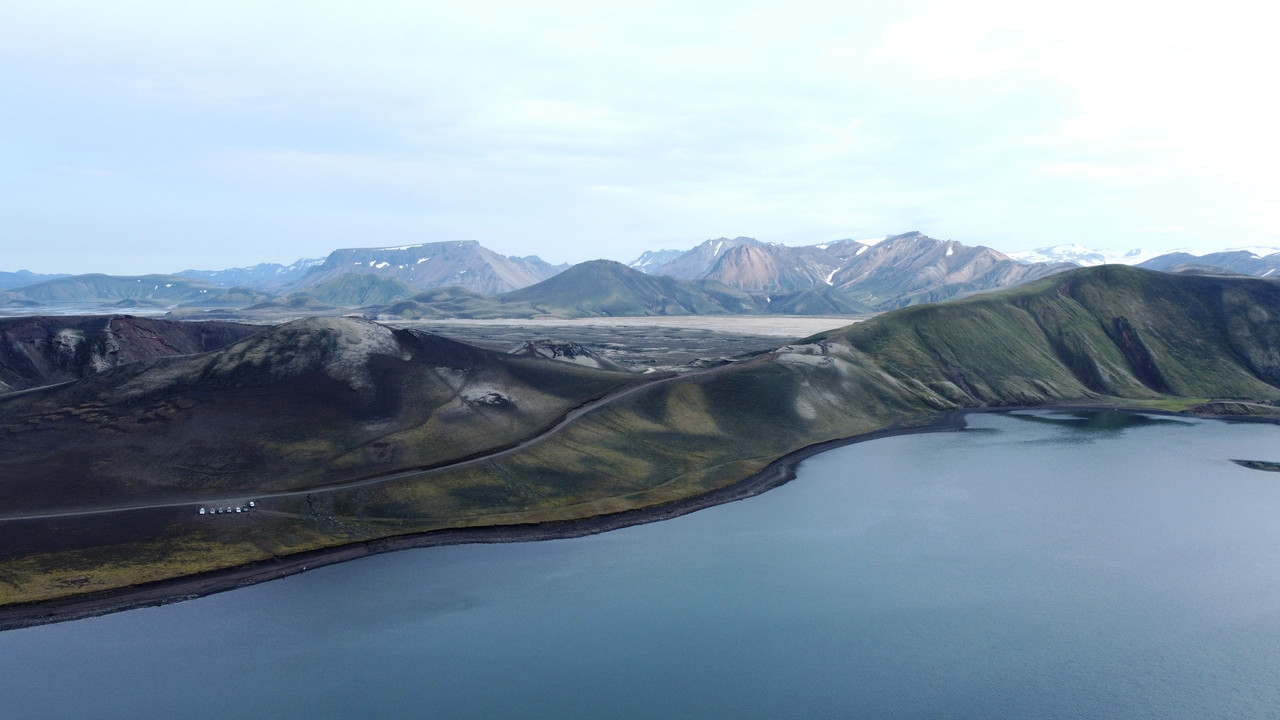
(789, 326)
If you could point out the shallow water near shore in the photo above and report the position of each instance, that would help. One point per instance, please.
(1035, 565)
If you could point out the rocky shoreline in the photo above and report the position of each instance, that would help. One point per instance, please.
(774, 475)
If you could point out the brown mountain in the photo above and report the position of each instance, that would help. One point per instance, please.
(901, 270)
(757, 267)
(913, 268)
(426, 266)
(701, 261)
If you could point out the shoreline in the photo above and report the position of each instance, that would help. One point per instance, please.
(777, 473)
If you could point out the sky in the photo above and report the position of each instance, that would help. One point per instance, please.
(159, 136)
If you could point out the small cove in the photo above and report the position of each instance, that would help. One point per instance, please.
(1035, 565)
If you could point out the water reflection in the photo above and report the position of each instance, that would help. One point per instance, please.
(1086, 426)
(948, 575)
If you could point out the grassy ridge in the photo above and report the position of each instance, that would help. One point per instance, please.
(1110, 335)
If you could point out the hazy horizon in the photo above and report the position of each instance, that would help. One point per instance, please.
(626, 260)
(151, 137)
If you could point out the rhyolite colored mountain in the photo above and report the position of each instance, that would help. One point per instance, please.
(699, 262)
(912, 268)
(757, 267)
(565, 351)
(898, 271)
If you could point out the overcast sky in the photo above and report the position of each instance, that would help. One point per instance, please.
(158, 136)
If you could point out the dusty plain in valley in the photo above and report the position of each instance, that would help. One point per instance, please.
(640, 342)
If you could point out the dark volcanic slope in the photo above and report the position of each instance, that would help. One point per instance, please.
(604, 287)
(328, 400)
(307, 402)
(38, 351)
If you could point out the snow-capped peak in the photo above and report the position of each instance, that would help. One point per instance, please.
(1081, 255)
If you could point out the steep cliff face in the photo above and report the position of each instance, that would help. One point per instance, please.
(44, 350)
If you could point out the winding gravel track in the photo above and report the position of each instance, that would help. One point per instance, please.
(242, 497)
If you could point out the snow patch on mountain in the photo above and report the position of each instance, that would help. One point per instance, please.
(1081, 255)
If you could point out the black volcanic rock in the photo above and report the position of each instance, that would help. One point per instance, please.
(42, 350)
(757, 267)
(305, 402)
(565, 351)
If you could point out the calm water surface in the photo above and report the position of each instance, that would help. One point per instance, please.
(1035, 565)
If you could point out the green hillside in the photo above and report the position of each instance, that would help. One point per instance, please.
(604, 287)
(358, 290)
(107, 288)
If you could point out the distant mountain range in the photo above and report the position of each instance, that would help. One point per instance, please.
(897, 271)
(604, 288)
(263, 276)
(464, 264)
(738, 275)
(1082, 256)
(1233, 262)
(10, 280)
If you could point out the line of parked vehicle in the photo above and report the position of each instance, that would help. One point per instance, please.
(228, 509)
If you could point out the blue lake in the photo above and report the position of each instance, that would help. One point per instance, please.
(1035, 565)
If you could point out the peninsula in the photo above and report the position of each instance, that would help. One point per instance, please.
(350, 437)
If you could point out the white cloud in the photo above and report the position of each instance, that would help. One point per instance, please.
(565, 122)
